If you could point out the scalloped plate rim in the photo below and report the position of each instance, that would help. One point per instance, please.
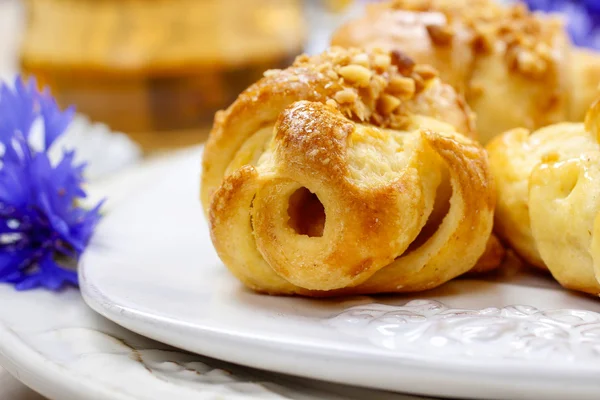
(123, 316)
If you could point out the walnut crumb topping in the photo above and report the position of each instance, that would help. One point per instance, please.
(369, 85)
(526, 38)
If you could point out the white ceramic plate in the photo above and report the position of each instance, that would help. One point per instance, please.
(58, 346)
(151, 268)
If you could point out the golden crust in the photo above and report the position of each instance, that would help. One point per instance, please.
(313, 192)
(500, 57)
(318, 79)
(512, 209)
(549, 198)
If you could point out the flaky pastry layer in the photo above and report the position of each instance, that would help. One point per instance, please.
(346, 173)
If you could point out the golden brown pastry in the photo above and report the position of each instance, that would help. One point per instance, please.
(346, 173)
(549, 198)
(515, 68)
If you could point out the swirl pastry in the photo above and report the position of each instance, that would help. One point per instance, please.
(549, 198)
(345, 173)
(515, 68)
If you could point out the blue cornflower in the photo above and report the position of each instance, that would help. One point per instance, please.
(41, 226)
(583, 18)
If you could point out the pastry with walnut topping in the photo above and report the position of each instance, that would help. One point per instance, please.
(515, 68)
(349, 172)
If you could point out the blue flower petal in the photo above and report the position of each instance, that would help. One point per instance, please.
(14, 277)
(593, 6)
(55, 121)
(13, 185)
(49, 275)
(11, 262)
(38, 200)
(17, 110)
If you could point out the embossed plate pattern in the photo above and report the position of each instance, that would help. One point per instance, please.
(151, 268)
(65, 351)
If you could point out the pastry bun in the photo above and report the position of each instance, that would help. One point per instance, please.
(349, 172)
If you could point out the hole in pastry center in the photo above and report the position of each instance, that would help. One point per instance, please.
(441, 208)
(306, 212)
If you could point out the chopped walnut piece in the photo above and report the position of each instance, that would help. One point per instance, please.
(271, 72)
(332, 103)
(346, 96)
(356, 74)
(404, 87)
(426, 72)
(404, 63)
(331, 74)
(361, 59)
(387, 104)
(382, 61)
(324, 67)
(419, 83)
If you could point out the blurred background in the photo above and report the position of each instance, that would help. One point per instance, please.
(159, 69)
